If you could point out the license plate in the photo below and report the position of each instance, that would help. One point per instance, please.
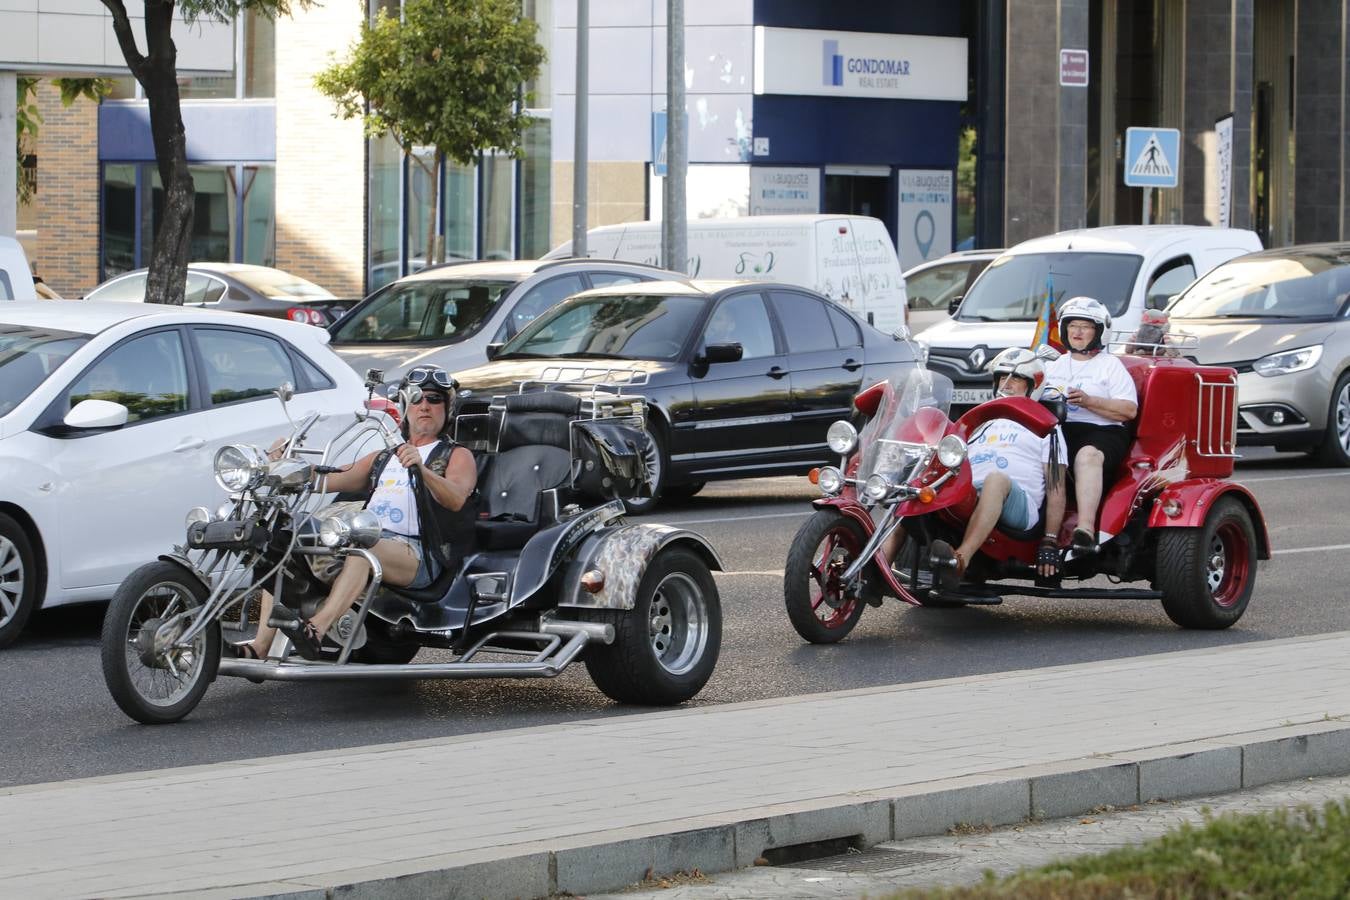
(972, 395)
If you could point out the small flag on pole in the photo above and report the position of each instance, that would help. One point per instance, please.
(1047, 323)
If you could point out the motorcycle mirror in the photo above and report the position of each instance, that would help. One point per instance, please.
(1046, 353)
(901, 333)
(391, 394)
(414, 395)
(285, 392)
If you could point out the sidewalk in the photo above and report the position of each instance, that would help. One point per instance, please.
(591, 806)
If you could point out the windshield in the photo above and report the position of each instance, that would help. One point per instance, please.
(27, 356)
(909, 420)
(1013, 288)
(1291, 287)
(280, 285)
(444, 310)
(610, 327)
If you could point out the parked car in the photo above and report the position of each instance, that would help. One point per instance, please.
(741, 378)
(1280, 318)
(16, 277)
(110, 415)
(238, 287)
(934, 289)
(448, 315)
(1128, 268)
(850, 259)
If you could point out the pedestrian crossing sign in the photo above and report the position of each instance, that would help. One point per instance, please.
(1152, 157)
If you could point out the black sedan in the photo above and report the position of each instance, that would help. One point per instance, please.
(742, 379)
(238, 287)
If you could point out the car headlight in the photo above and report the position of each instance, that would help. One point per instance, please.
(240, 467)
(197, 515)
(830, 480)
(359, 528)
(951, 451)
(877, 487)
(842, 437)
(1287, 362)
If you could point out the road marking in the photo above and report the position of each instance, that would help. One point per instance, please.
(805, 512)
(1324, 549)
(775, 574)
(1295, 477)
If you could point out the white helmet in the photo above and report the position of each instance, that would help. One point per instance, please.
(1084, 309)
(1020, 362)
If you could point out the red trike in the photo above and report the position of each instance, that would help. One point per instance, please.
(1170, 516)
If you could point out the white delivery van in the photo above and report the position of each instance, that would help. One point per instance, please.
(849, 259)
(16, 278)
(1129, 268)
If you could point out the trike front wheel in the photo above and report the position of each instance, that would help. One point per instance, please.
(666, 646)
(1207, 574)
(816, 602)
(152, 678)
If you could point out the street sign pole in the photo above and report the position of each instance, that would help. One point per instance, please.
(580, 151)
(673, 224)
(1148, 205)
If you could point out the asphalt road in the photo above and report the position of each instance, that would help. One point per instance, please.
(59, 722)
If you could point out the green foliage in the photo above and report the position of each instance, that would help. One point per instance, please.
(448, 76)
(1300, 853)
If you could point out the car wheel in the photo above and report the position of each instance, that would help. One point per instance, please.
(1335, 448)
(682, 491)
(656, 460)
(18, 580)
(1207, 574)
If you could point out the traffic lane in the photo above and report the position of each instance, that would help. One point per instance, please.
(61, 723)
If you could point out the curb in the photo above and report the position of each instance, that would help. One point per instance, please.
(607, 861)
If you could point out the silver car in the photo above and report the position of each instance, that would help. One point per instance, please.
(1280, 318)
(448, 315)
(934, 288)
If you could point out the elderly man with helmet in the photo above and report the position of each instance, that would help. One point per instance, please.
(1013, 470)
(415, 521)
(1101, 397)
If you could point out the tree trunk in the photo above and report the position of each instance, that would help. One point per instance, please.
(167, 279)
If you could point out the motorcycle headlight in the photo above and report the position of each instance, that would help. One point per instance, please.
(239, 467)
(951, 451)
(334, 531)
(877, 487)
(830, 480)
(197, 515)
(364, 528)
(842, 438)
(1286, 362)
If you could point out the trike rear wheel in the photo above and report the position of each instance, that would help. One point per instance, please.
(1207, 574)
(823, 548)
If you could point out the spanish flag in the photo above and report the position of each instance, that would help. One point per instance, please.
(1047, 323)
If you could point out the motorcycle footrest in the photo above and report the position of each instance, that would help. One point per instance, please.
(974, 597)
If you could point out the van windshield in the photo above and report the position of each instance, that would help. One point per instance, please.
(443, 310)
(1013, 288)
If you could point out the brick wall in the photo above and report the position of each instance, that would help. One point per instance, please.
(320, 193)
(66, 208)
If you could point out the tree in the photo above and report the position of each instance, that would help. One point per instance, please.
(449, 75)
(157, 72)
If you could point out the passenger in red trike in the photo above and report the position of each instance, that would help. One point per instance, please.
(902, 515)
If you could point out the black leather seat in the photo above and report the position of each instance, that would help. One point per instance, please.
(533, 455)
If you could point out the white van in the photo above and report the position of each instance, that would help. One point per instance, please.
(16, 278)
(849, 259)
(1129, 268)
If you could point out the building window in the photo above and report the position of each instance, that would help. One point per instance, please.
(536, 191)
(386, 208)
(255, 67)
(498, 187)
(459, 199)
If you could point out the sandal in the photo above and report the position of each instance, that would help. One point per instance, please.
(949, 565)
(245, 650)
(307, 640)
(1048, 555)
(1083, 539)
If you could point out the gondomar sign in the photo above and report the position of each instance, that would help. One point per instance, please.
(859, 64)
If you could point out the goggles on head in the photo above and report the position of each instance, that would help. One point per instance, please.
(429, 376)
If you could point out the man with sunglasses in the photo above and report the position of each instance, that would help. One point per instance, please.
(419, 491)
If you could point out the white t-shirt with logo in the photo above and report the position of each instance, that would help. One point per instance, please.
(393, 502)
(1101, 376)
(1002, 445)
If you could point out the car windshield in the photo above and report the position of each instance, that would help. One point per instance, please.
(28, 354)
(443, 310)
(1305, 285)
(1013, 288)
(280, 285)
(610, 327)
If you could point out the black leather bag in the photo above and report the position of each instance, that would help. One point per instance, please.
(609, 460)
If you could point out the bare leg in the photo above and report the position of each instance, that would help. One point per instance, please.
(985, 517)
(1087, 487)
(396, 559)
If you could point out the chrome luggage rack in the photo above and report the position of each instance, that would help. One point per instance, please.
(1122, 343)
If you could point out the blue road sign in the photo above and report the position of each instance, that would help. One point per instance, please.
(1152, 157)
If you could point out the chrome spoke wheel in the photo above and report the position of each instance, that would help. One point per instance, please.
(161, 670)
(1342, 416)
(11, 580)
(677, 623)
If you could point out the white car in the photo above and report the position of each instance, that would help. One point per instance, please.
(110, 417)
(935, 288)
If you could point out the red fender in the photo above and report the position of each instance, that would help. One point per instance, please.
(847, 506)
(1196, 499)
